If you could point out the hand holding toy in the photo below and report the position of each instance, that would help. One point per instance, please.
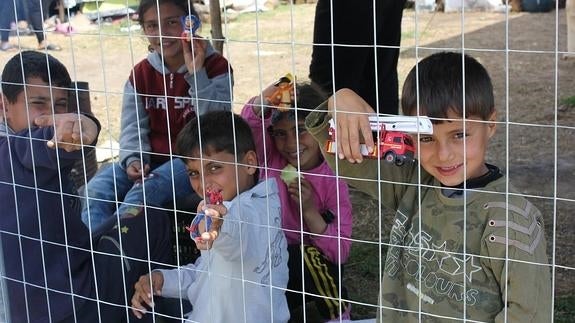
(282, 96)
(214, 198)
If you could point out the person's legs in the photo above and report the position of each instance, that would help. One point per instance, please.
(350, 27)
(353, 48)
(107, 188)
(124, 253)
(21, 10)
(36, 18)
(388, 30)
(36, 15)
(321, 58)
(87, 311)
(6, 18)
(158, 189)
(321, 277)
(354, 66)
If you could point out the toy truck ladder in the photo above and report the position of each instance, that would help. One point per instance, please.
(408, 124)
(382, 125)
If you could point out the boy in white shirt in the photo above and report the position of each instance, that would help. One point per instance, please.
(242, 273)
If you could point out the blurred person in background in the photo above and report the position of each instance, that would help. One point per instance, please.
(6, 18)
(37, 10)
(352, 35)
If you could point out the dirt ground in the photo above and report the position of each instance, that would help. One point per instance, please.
(521, 52)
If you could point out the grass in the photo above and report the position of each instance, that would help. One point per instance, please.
(362, 279)
(565, 309)
(568, 102)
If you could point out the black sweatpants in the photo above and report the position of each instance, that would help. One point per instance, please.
(36, 16)
(122, 254)
(321, 278)
(356, 67)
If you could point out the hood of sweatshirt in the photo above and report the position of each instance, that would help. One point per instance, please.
(5, 129)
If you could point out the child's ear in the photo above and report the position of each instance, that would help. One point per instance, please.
(251, 162)
(492, 125)
(2, 104)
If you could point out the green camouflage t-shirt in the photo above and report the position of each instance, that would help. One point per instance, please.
(448, 258)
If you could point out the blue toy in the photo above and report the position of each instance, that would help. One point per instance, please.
(190, 23)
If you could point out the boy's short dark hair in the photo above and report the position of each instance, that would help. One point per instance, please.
(439, 87)
(29, 64)
(308, 96)
(185, 5)
(218, 131)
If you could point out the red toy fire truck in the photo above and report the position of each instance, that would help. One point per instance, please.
(389, 134)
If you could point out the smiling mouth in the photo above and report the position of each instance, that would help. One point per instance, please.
(448, 170)
(296, 153)
(165, 44)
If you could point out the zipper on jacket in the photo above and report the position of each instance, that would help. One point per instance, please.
(171, 81)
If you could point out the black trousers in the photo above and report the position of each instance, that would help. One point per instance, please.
(370, 72)
(122, 254)
(321, 277)
(37, 10)
(6, 17)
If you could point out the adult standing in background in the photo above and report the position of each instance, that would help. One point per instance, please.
(355, 64)
(6, 17)
(36, 9)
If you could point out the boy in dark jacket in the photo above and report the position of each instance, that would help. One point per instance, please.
(54, 272)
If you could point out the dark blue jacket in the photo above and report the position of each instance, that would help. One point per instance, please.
(46, 246)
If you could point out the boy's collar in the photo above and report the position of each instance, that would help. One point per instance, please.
(493, 173)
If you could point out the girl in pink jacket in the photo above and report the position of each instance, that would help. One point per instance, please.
(316, 208)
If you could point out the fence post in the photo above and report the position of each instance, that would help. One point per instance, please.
(216, 22)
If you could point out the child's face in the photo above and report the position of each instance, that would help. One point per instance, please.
(218, 171)
(39, 100)
(285, 133)
(171, 30)
(444, 154)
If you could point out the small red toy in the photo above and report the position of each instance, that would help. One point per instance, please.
(212, 197)
(392, 144)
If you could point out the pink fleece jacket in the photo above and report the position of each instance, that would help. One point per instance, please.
(326, 188)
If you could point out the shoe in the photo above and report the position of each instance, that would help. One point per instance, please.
(51, 47)
(345, 316)
(7, 47)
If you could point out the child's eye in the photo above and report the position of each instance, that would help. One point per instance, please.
(37, 102)
(150, 27)
(301, 129)
(173, 22)
(460, 135)
(214, 168)
(61, 107)
(193, 173)
(425, 139)
(42, 105)
(278, 134)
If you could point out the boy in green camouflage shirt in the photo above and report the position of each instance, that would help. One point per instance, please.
(464, 244)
